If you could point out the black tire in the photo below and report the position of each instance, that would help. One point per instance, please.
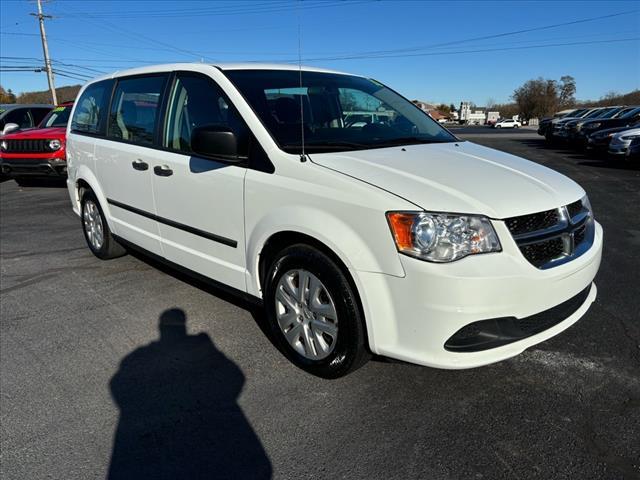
(350, 351)
(109, 248)
(26, 181)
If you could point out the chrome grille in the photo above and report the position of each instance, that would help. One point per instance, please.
(553, 237)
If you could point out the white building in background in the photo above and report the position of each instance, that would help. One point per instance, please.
(492, 117)
(469, 116)
(424, 106)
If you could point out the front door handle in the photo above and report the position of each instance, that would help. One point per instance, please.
(162, 170)
(140, 165)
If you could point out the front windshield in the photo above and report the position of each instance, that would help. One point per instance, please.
(58, 117)
(631, 112)
(341, 112)
(607, 112)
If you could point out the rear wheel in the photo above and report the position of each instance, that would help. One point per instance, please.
(314, 314)
(96, 230)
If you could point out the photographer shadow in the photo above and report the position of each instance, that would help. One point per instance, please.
(179, 416)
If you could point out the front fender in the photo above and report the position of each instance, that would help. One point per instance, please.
(373, 255)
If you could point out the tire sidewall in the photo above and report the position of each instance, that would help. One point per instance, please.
(350, 343)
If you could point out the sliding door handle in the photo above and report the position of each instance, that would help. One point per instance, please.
(140, 165)
(162, 170)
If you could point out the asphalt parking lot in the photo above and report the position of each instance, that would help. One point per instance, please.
(100, 379)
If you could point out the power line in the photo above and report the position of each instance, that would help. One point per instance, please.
(488, 37)
(57, 72)
(270, 8)
(426, 54)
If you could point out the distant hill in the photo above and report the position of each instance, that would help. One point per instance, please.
(65, 94)
(613, 98)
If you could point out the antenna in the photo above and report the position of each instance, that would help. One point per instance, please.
(303, 157)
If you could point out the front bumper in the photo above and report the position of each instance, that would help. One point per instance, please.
(34, 167)
(413, 317)
(560, 133)
(598, 143)
(619, 148)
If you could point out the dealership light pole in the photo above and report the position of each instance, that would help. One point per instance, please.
(45, 49)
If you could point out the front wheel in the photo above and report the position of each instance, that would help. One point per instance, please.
(498, 126)
(314, 313)
(96, 230)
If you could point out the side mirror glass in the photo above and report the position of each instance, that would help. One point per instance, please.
(10, 127)
(216, 142)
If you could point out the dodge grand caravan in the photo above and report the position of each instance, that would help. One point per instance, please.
(392, 238)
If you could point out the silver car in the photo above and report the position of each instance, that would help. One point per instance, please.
(620, 141)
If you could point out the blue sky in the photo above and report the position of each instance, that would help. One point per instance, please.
(435, 50)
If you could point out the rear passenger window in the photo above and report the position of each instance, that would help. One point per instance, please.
(134, 109)
(196, 101)
(89, 115)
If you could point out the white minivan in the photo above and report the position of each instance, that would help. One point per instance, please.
(394, 238)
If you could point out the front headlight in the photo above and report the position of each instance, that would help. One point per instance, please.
(3, 145)
(630, 137)
(54, 144)
(442, 237)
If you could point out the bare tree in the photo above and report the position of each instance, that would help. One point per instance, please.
(567, 91)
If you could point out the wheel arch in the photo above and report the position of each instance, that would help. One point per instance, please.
(280, 240)
(86, 180)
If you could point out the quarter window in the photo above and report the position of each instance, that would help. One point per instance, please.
(88, 117)
(134, 109)
(196, 101)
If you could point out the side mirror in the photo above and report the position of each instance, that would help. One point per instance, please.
(10, 127)
(217, 142)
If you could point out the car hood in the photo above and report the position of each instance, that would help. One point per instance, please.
(49, 132)
(631, 131)
(608, 131)
(458, 177)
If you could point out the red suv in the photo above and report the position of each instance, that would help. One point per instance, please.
(37, 152)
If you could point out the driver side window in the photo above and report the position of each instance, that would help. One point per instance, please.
(196, 101)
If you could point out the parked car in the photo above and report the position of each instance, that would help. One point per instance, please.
(633, 151)
(624, 118)
(620, 141)
(398, 239)
(598, 142)
(564, 129)
(546, 123)
(557, 124)
(37, 152)
(15, 116)
(507, 123)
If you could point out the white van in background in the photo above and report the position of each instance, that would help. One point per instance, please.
(388, 237)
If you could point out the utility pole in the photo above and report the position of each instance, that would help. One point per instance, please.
(45, 49)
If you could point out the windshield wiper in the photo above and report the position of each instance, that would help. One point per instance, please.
(327, 144)
(408, 141)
